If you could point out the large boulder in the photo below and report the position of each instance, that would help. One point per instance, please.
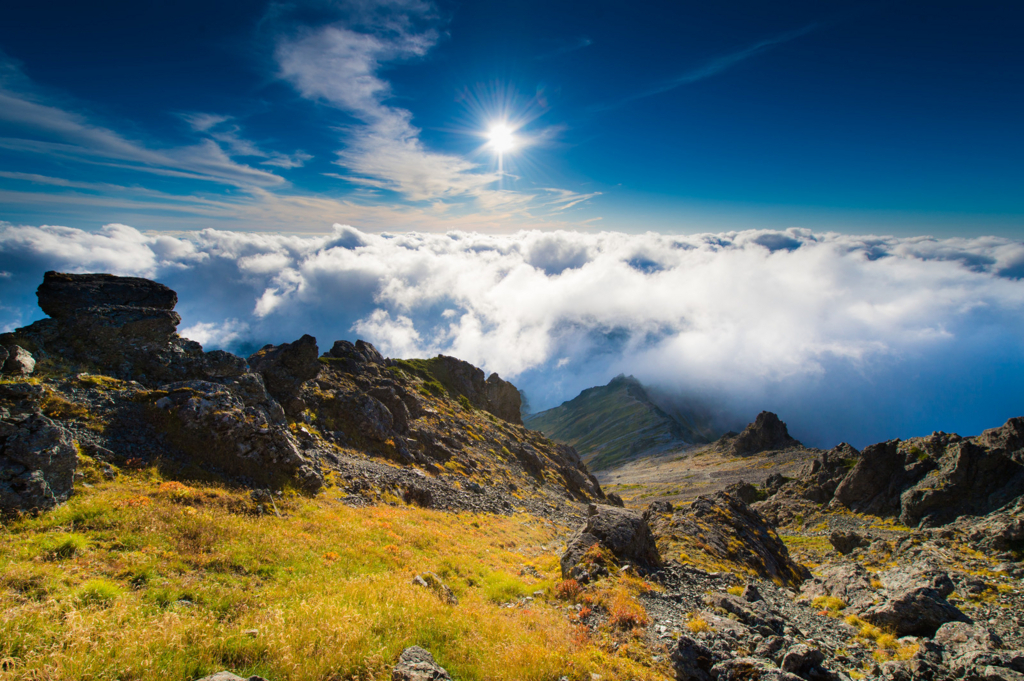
(623, 532)
(880, 475)
(61, 294)
(914, 602)
(692, 661)
(17, 361)
(416, 664)
(38, 460)
(766, 433)
(727, 529)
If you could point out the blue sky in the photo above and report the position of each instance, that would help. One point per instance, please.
(884, 118)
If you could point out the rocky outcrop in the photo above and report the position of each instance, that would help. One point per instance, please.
(38, 460)
(61, 295)
(285, 368)
(766, 433)
(238, 429)
(624, 533)
(416, 664)
(928, 481)
(121, 326)
(692, 661)
(725, 528)
(493, 395)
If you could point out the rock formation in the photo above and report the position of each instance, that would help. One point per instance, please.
(766, 433)
(623, 533)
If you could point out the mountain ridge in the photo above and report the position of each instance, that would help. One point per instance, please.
(614, 423)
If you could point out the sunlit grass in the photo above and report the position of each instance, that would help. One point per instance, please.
(147, 579)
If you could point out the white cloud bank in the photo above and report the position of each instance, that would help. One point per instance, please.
(846, 337)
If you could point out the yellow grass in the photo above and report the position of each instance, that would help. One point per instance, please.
(142, 579)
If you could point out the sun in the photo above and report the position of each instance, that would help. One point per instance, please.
(500, 138)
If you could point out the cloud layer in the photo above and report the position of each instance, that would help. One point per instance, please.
(846, 337)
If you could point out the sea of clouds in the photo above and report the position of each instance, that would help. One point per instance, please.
(855, 338)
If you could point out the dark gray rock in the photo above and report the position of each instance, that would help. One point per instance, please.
(18, 361)
(60, 295)
(845, 542)
(493, 395)
(914, 603)
(416, 664)
(38, 460)
(286, 367)
(743, 491)
(615, 500)
(728, 529)
(623, 532)
(802, 660)
(766, 433)
(693, 661)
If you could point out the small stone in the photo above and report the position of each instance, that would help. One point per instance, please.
(416, 664)
(19, 361)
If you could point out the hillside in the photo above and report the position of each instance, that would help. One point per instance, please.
(169, 513)
(611, 424)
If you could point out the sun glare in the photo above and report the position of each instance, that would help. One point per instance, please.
(500, 138)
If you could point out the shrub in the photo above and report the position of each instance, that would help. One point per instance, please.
(698, 624)
(569, 590)
(831, 604)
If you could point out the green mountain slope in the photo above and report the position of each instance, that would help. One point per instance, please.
(612, 423)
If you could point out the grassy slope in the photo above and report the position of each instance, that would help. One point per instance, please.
(609, 424)
(142, 578)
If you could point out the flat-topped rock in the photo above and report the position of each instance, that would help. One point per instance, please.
(62, 294)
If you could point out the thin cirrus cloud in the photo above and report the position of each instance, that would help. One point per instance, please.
(846, 337)
(712, 67)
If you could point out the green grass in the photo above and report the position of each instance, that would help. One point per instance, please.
(172, 581)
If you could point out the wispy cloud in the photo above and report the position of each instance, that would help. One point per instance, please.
(573, 46)
(712, 67)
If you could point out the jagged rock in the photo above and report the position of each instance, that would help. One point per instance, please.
(18, 361)
(767, 432)
(286, 367)
(4, 354)
(623, 532)
(360, 357)
(932, 481)
(38, 460)
(615, 500)
(915, 603)
(750, 669)
(60, 295)
(728, 529)
(743, 491)
(693, 661)
(773, 483)
(659, 507)
(845, 542)
(803, 660)
(416, 664)
(1001, 530)
(750, 594)
(493, 395)
(236, 428)
(428, 580)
